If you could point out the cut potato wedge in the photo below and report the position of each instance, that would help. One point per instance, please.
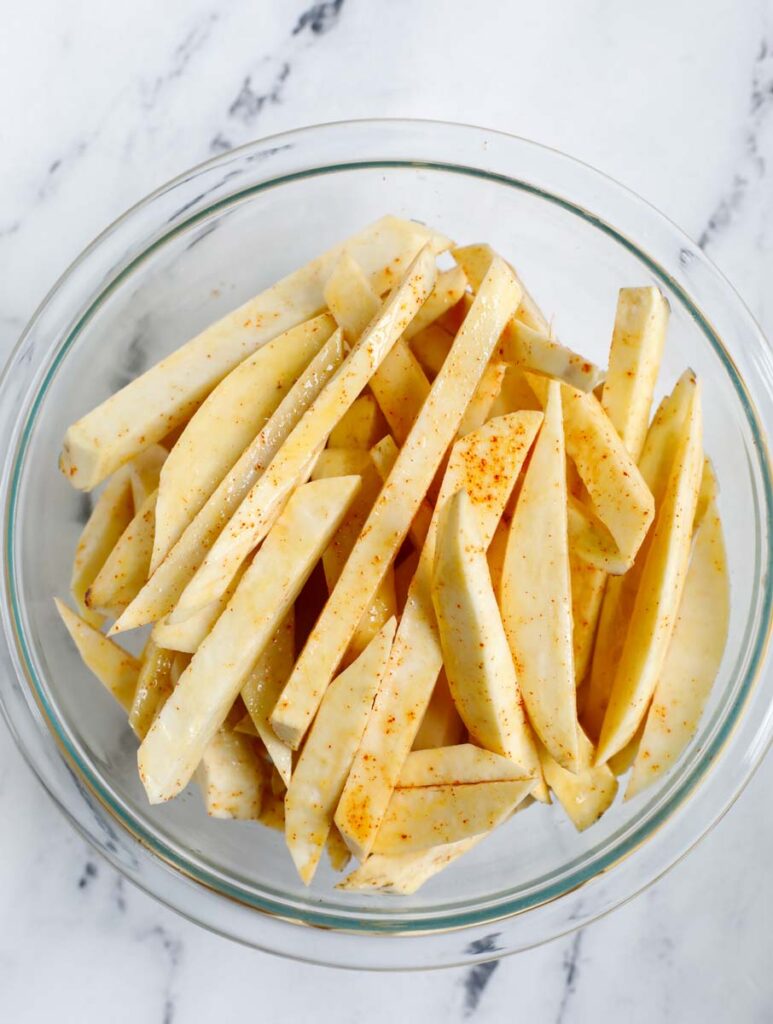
(441, 725)
(112, 513)
(475, 261)
(588, 584)
(659, 593)
(327, 755)
(262, 687)
(693, 658)
(231, 776)
(405, 873)
(476, 655)
(479, 409)
(226, 424)
(252, 519)
(536, 595)
(337, 851)
(171, 751)
(430, 347)
(459, 765)
(586, 794)
(634, 361)
(159, 596)
(591, 541)
(421, 817)
(125, 571)
(515, 394)
(486, 465)
(656, 462)
(400, 386)
(359, 428)
(154, 684)
(187, 636)
(115, 668)
(153, 404)
(384, 455)
(391, 516)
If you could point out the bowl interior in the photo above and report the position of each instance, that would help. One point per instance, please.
(201, 269)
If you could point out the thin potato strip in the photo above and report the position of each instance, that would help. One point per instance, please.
(655, 465)
(159, 596)
(251, 520)
(479, 409)
(384, 455)
(657, 600)
(634, 361)
(459, 765)
(400, 386)
(536, 593)
(154, 684)
(231, 776)
(148, 408)
(441, 725)
(226, 423)
(327, 755)
(693, 659)
(115, 668)
(586, 794)
(476, 655)
(449, 288)
(391, 516)
(404, 873)
(112, 513)
(486, 465)
(125, 571)
(187, 636)
(475, 261)
(171, 751)
(588, 584)
(262, 687)
(421, 817)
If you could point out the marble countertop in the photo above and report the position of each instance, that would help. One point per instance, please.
(103, 102)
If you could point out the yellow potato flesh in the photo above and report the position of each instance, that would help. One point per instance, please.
(115, 668)
(125, 571)
(361, 427)
(586, 794)
(391, 516)
(173, 747)
(457, 765)
(441, 725)
(154, 684)
(327, 755)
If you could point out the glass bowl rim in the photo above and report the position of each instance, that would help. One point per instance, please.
(502, 909)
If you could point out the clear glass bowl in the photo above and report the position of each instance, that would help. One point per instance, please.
(200, 246)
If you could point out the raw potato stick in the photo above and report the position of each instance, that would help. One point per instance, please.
(226, 423)
(126, 568)
(486, 465)
(171, 751)
(148, 408)
(159, 595)
(391, 516)
(250, 522)
(154, 684)
(327, 755)
(115, 668)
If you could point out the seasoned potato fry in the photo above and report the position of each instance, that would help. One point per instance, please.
(153, 404)
(391, 516)
(441, 725)
(112, 513)
(399, 385)
(171, 751)
(125, 571)
(404, 873)
(634, 361)
(479, 409)
(252, 519)
(693, 658)
(327, 755)
(158, 597)
(361, 427)
(476, 655)
(588, 584)
(514, 394)
(262, 687)
(337, 850)
(384, 455)
(591, 541)
(430, 347)
(187, 636)
(115, 668)
(586, 794)
(536, 595)
(707, 495)
(404, 573)
(154, 684)
(449, 288)
(342, 462)
(475, 261)
(145, 473)
(660, 589)
(486, 465)
(655, 464)
(231, 776)
(424, 816)
(226, 423)
(458, 765)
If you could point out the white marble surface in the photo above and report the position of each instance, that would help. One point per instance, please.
(103, 102)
